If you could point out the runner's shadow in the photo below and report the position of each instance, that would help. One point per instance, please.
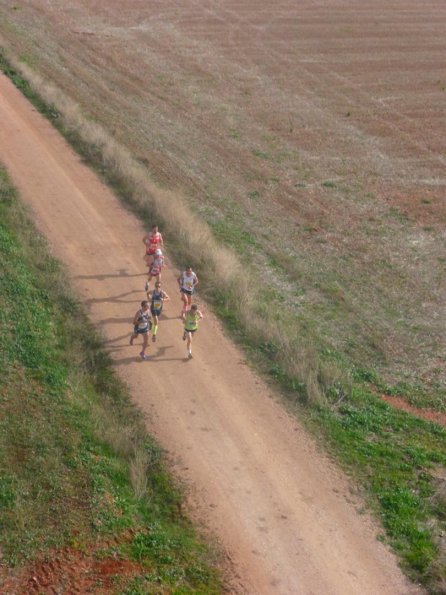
(116, 348)
(114, 299)
(169, 359)
(129, 360)
(159, 356)
(160, 351)
(126, 319)
(120, 273)
(156, 357)
(110, 341)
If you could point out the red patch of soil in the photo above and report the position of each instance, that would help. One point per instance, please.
(71, 571)
(427, 414)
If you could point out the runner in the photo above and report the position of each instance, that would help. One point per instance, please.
(141, 326)
(191, 326)
(187, 282)
(155, 268)
(157, 297)
(152, 241)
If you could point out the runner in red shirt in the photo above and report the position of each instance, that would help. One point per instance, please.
(152, 241)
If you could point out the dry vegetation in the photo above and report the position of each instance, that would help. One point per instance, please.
(325, 183)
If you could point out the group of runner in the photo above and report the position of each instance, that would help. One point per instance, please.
(147, 317)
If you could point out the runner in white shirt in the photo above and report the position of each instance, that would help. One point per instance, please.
(155, 268)
(187, 282)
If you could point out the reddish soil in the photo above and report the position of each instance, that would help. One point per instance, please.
(427, 414)
(70, 571)
(282, 512)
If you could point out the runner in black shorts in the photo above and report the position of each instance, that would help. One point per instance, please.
(157, 297)
(187, 282)
(141, 326)
(191, 320)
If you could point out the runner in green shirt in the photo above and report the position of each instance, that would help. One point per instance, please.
(191, 319)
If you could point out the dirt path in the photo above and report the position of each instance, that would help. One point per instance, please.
(280, 510)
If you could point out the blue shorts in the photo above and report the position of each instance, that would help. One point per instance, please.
(142, 331)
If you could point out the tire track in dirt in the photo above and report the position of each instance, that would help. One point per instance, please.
(281, 511)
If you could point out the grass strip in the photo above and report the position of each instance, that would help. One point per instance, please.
(77, 468)
(400, 461)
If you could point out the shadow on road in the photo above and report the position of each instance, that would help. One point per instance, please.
(119, 273)
(114, 299)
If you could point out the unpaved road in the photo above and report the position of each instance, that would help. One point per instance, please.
(281, 511)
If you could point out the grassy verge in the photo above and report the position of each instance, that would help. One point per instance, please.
(77, 468)
(400, 461)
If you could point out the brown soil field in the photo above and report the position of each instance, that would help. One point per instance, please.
(281, 511)
(310, 136)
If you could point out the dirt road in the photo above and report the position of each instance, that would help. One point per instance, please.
(280, 509)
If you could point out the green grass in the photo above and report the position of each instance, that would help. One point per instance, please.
(69, 434)
(233, 235)
(396, 459)
(400, 460)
